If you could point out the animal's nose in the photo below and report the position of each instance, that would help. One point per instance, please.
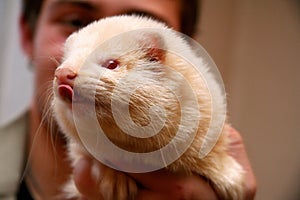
(65, 76)
(65, 81)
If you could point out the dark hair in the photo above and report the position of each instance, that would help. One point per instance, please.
(190, 10)
(189, 14)
(30, 12)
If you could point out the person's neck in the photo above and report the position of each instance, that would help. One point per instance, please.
(48, 167)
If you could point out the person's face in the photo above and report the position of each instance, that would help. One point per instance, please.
(59, 18)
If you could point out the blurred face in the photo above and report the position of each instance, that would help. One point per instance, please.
(59, 18)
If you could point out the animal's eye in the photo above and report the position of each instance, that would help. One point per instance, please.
(153, 59)
(111, 64)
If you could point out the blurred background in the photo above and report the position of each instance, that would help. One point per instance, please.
(256, 46)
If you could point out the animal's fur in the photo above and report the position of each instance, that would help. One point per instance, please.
(152, 57)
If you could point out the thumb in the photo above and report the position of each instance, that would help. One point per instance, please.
(238, 151)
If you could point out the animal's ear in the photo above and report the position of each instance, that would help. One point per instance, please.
(153, 45)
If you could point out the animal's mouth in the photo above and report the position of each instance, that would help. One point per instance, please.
(65, 92)
(72, 96)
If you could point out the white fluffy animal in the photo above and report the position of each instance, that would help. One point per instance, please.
(140, 78)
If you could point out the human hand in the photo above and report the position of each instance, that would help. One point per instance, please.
(163, 185)
(238, 151)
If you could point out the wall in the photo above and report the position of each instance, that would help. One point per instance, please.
(256, 45)
(15, 78)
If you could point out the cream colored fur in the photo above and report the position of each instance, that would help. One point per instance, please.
(86, 49)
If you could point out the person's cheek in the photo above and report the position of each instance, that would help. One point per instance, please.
(48, 51)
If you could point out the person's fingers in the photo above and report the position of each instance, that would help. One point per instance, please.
(87, 178)
(238, 151)
(144, 194)
(166, 185)
(176, 186)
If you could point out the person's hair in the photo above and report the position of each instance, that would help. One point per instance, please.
(189, 14)
(190, 10)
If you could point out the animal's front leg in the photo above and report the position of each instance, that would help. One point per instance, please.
(112, 184)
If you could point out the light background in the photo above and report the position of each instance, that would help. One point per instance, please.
(256, 45)
(15, 78)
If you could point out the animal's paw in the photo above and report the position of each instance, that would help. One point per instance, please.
(117, 185)
(69, 191)
(229, 182)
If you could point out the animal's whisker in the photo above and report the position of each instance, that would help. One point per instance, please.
(48, 123)
(55, 60)
(34, 143)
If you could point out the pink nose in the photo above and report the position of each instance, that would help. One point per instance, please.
(65, 80)
(65, 76)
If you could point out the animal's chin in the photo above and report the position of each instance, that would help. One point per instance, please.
(63, 114)
(79, 98)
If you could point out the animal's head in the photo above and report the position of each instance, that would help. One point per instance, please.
(127, 69)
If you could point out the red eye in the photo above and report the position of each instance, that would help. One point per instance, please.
(111, 64)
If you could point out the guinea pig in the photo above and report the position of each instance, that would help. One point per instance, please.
(133, 94)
